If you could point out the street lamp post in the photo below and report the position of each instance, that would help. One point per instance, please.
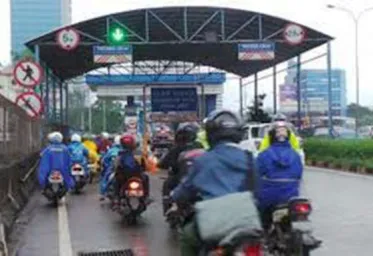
(356, 19)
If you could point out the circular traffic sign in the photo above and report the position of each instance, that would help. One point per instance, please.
(68, 39)
(31, 103)
(294, 34)
(28, 73)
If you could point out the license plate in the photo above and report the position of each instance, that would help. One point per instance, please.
(303, 226)
(135, 193)
(78, 173)
(279, 214)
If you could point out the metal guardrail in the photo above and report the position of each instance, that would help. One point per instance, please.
(20, 135)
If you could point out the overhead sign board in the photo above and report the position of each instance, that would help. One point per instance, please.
(68, 39)
(112, 54)
(174, 117)
(294, 34)
(28, 73)
(174, 99)
(256, 51)
(31, 103)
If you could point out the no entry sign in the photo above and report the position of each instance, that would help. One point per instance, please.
(31, 103)
(68, 39)
(28, 73)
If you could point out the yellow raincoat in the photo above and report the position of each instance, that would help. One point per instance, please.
(294, 142)
(94, 158)
(202, 138)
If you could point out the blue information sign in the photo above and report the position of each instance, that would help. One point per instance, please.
(174, 99)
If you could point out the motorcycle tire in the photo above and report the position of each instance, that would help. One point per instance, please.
(299, 248)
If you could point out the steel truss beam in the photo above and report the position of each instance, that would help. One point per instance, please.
(183, 34)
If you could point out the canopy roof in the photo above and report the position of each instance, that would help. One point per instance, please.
(202, 35)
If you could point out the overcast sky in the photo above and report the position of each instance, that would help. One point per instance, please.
(310, 13)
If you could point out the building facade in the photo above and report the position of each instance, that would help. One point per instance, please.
(32, 18)
(314, 92)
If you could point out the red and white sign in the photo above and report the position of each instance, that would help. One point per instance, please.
(294, 34)
(31, 103)
(28, 73)
(68, 39)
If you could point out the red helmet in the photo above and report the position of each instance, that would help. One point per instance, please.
(128, 141)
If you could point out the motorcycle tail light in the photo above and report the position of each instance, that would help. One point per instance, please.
(134, 185)
(302, 208)
(253, 250)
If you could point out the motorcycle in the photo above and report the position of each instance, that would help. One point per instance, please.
(240, 246)
(77, 171)
(55, 189)
(291, 232)
(132, 200)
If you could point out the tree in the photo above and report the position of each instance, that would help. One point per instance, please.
(114, 116)
(257, 113)
(362, 111)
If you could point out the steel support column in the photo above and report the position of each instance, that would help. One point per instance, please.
(299, 109)
(329, 67)
(66, 104)
(54, 98)
(256, 94)
(47, 92)
(61, 119)
(241, 97)
(104, 115)
(274, 89)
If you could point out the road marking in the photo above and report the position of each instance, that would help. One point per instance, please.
(65, 247)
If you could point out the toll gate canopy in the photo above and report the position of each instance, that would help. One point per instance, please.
(207, 36)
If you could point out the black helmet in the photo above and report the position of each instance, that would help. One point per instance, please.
(186, 133)
(279, 117)
(224, 125)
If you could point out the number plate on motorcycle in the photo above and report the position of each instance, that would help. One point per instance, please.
(303, 226)
(78, 173)
(279, 214)
(136, 193)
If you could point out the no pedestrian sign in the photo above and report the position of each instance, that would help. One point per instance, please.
(28, 73)
(31, 103)
(294, 34)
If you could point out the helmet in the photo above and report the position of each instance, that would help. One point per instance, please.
(279, 117)
(55, 137)
(186, 133)
(76, 137)
(105, 135)
(224, 125)
(128, 141)
(278, 134)
(117, 140)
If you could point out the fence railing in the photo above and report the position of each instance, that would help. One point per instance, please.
(20, 135)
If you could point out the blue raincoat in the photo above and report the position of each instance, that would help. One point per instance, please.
(279, 172)
(79, 154)
(223, 170)
(55, 157)
(107, 162)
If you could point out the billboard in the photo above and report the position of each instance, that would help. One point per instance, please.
(288, 98)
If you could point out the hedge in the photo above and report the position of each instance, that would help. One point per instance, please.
(351, 154)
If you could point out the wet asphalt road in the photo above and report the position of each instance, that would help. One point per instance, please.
(342, 217)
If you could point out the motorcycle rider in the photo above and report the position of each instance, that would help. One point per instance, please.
(126, 166)
(202, 136)
(108, 163)
(78, 153)
(185, 140)
(222, 170)
(55, 157)
(89, 144)
(104, 143)
(294, 142)
(279, 172)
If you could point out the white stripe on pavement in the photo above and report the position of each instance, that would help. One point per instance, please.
(65, 247)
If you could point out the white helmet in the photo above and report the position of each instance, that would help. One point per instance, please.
(76, 137)
(55, 137)
(105, 135)
(117, 140)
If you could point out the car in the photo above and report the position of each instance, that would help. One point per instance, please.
(254, 134)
